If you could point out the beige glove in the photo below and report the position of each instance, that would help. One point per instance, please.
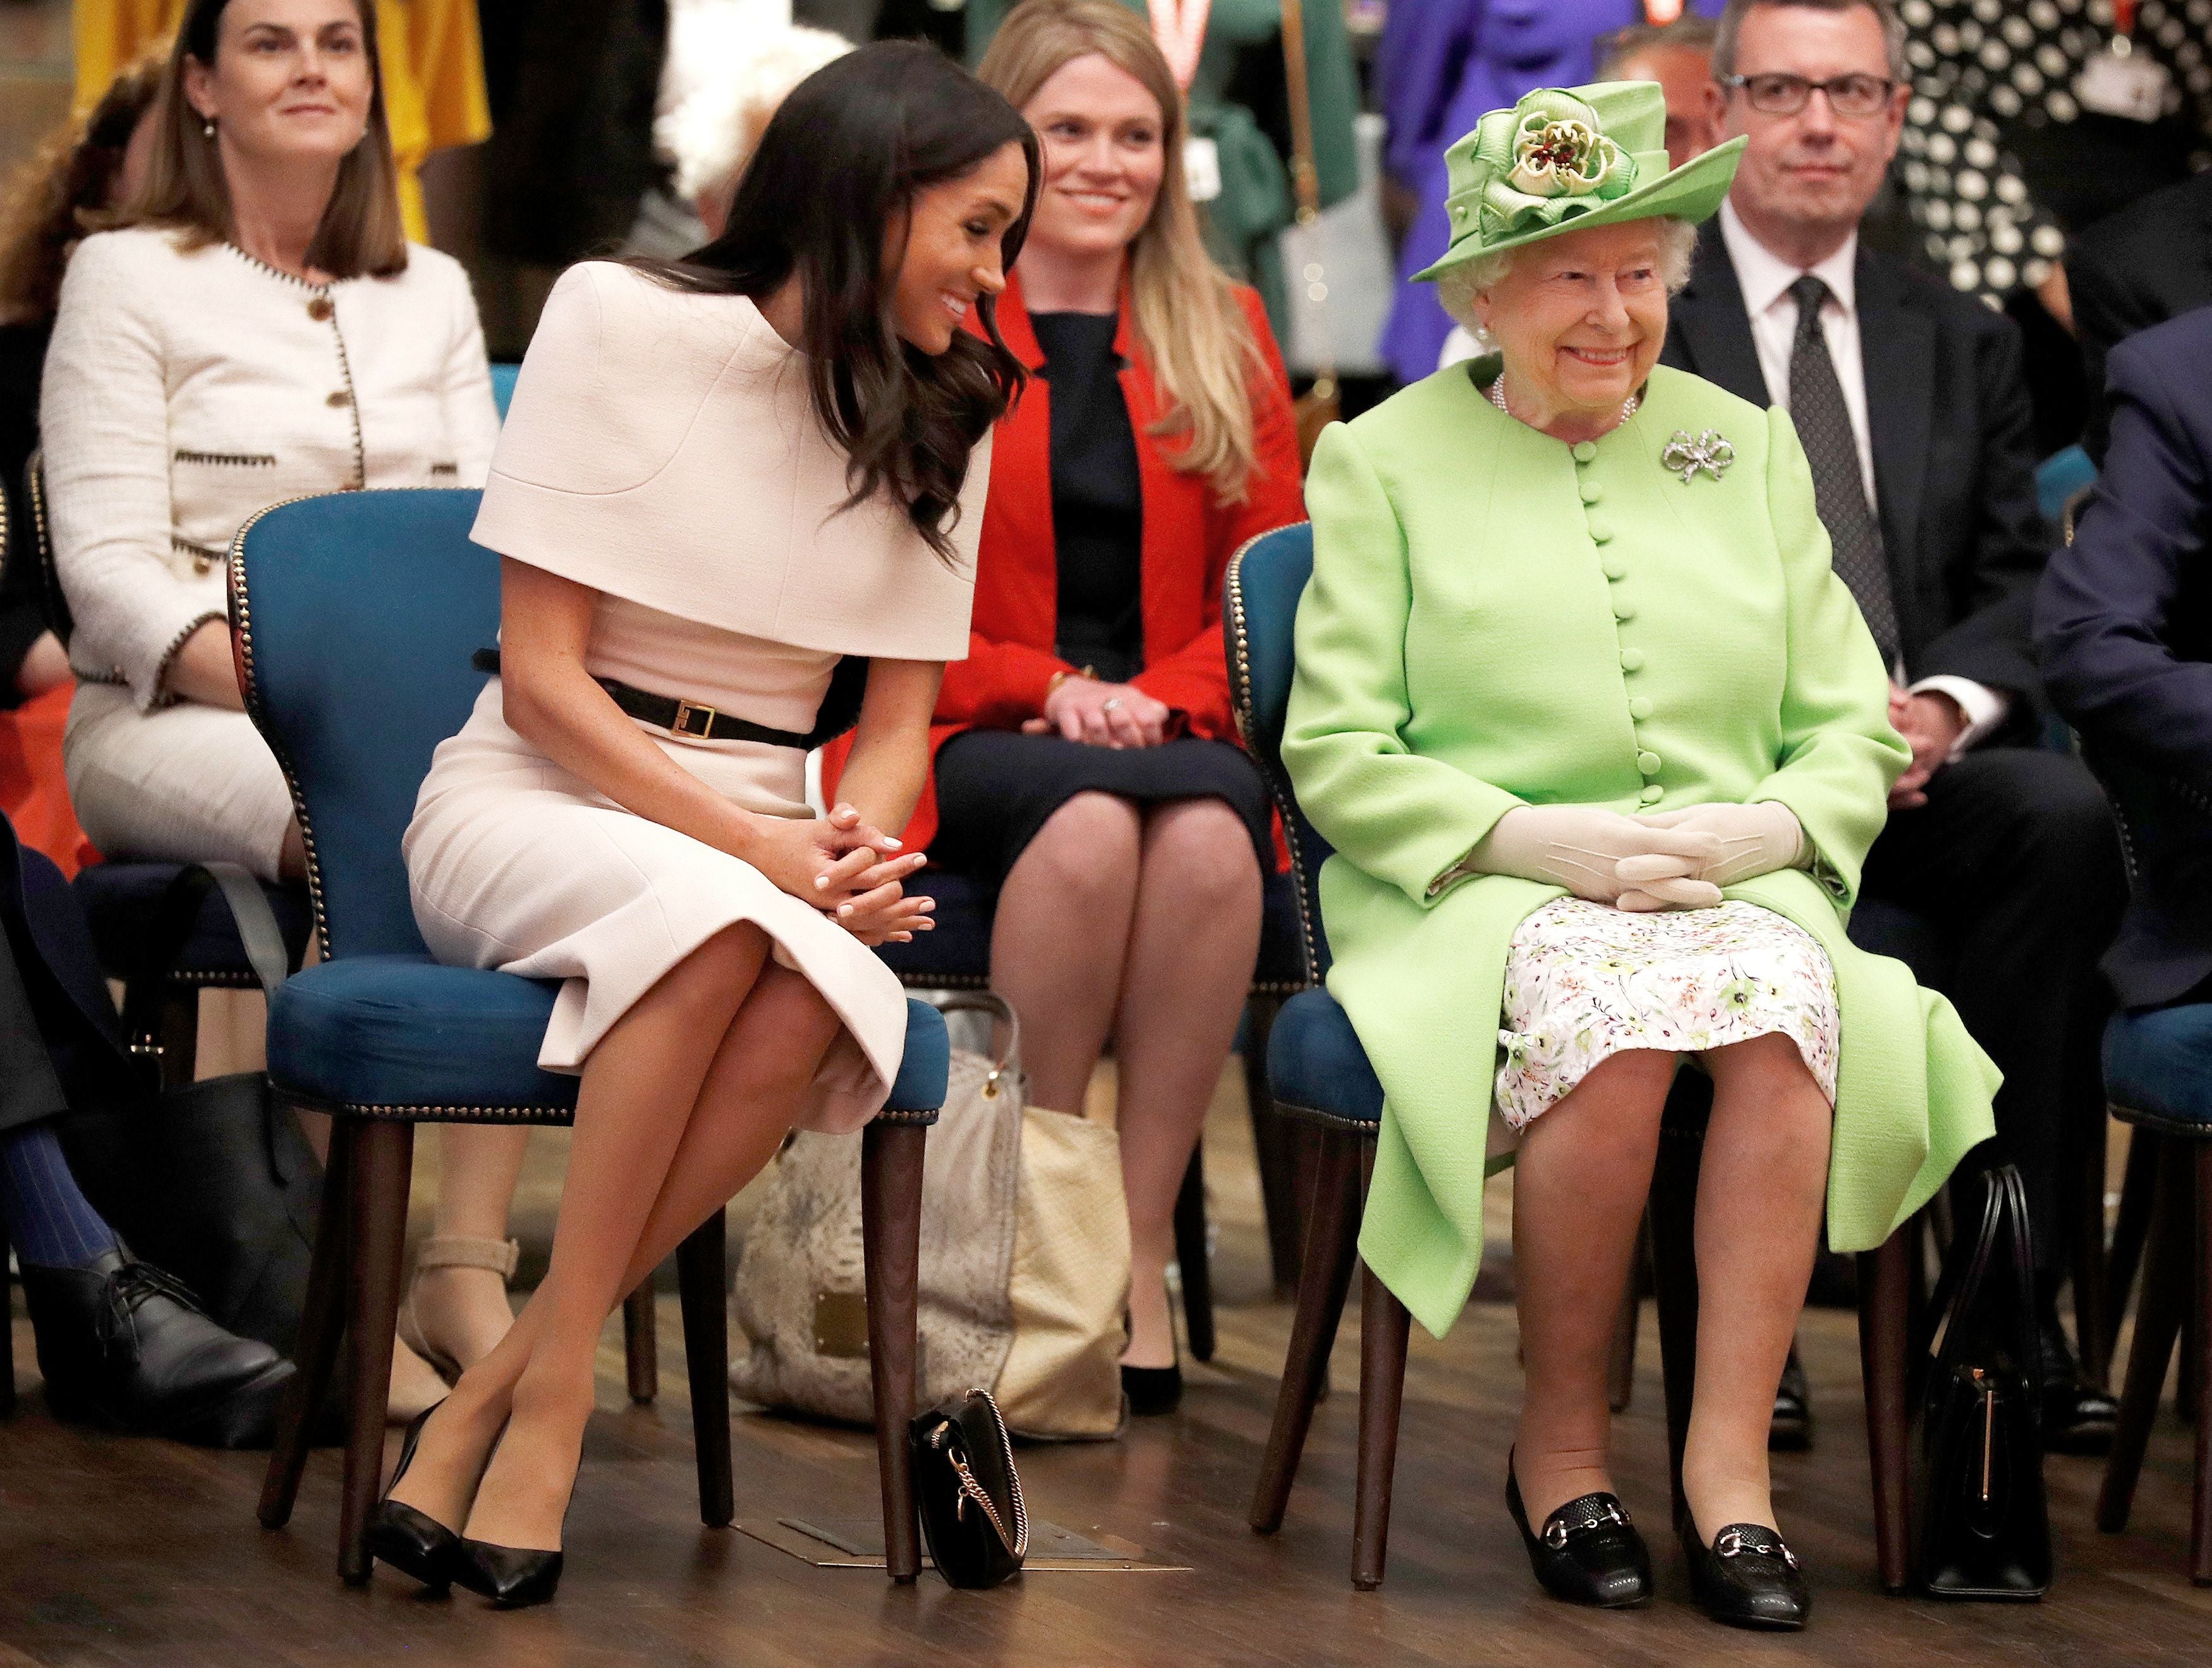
(1585, 849)
(1754, 839)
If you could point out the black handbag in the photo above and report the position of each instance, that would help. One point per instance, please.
(1984, 1523)
(969, 1497)
(213, 1182)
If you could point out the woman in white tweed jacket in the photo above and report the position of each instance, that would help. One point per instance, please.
(258, 330)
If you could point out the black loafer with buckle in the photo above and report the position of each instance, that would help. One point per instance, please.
(1588, 1552)
(1746, 1578)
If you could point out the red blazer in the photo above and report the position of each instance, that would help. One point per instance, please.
(1188, 537)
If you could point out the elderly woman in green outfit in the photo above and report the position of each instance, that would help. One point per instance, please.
(1600, 741)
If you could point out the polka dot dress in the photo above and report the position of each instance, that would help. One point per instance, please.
(1981, 68)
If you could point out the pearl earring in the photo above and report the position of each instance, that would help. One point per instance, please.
(207, 127)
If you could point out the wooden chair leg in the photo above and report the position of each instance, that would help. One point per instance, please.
(2138, 1185)
(1286, 1150)
(322, 1330)
(1620, 1366)
(1885, 1339)
(384, 1151)
(1332, 1243)
(2158, 1319)
(641, 1344)
(1383, 1328)
(7, 1332)
(1672, 1215)
(2090, 1328)
(1192, 1258)
(2200, 1510)
(702, 1277)
(890, 1229)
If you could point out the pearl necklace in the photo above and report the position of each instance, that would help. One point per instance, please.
(1497, 398)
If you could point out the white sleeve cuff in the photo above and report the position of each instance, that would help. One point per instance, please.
(1984, 708)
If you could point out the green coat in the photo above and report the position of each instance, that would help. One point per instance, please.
(1496, 619)
(1255, 202)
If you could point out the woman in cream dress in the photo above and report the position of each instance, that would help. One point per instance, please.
(718, 479)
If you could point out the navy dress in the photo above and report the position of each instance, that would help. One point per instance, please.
(996, 788)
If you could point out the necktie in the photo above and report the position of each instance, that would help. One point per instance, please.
(1823, 425)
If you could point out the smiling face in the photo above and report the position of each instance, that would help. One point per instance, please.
(1806, 179)
(1105, 154)
(949, 249)
(1580, 319)
(291, 80)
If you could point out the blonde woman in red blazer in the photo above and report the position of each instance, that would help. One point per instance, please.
(1086, 760)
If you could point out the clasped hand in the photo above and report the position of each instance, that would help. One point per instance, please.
(1667, 860)
(1082, 709)
(853, 873)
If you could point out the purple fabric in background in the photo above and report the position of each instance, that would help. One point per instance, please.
(1443, 64)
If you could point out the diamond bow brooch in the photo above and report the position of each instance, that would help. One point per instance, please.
(1686, 453)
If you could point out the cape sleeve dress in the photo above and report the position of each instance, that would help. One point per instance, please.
(660, 449)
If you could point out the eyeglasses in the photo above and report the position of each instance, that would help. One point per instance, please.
(1855, 96)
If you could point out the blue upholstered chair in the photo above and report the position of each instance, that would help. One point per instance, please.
(2158, 1078)
(1320, 1073)
(357, 614)
(125, 902)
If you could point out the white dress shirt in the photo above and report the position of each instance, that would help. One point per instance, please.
(1765, 279)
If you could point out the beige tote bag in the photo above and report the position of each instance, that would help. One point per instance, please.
(1024, 1273)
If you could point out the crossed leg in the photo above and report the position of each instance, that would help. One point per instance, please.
(688, 1093)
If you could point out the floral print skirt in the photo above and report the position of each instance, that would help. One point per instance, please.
(1584, 981)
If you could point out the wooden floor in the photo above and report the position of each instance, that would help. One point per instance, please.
(115, 1552)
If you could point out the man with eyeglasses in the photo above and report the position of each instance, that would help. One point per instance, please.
(1998, 878)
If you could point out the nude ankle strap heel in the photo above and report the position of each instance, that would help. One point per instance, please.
(501, 1257)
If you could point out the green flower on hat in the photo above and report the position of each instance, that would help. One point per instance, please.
(1562, 158)
(1558, 151)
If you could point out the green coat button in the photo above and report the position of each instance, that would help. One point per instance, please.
(1584, 451)
(1624, 611)
(1591, 491)
(1647, 763)
(1601, 531)
(1652, 794)
(1615, 568)
(1631, 660)
(1640, 709)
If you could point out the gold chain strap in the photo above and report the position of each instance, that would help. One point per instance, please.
(942, 1439)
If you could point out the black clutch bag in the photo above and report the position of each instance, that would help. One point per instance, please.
(969, 1497)
(1985, 1529)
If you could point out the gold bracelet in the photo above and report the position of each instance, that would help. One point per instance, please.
(1062, 676)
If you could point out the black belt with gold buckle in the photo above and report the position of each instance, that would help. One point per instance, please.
(694, 720)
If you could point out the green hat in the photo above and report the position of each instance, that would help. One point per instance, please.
(1562, 159)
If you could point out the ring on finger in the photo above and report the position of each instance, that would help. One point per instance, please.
(1112, 704)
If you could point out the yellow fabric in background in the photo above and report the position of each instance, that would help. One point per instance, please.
(432, 56)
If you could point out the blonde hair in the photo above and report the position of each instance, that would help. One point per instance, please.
(1198, 341)
(1458, 286)
(360, 232)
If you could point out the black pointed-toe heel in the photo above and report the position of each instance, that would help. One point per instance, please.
(1588, 1552)
(412, 1542)
(1746, 1578)
(1151, 1390)
(511, 1577)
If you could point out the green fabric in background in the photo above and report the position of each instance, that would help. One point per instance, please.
(1243, 55)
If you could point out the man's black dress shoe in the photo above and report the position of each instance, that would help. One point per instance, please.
(1746, 1577)
(123, 1345)
(1792, 1429)
(2077, 1416)
(511, 1577)
(412, 1542)
(1589, 1553)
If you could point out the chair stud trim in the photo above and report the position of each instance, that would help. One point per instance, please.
(1240, 702)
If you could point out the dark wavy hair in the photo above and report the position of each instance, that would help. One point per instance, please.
(844, 157)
